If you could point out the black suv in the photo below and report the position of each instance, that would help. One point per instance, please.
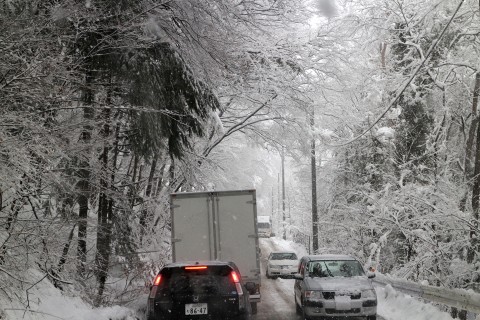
(199, 290)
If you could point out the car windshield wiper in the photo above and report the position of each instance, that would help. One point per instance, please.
(328, 270)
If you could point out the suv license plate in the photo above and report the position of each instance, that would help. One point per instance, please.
(196, 308)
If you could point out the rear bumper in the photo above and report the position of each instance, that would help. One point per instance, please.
(254, 297)
(288, 272)
(161, 315)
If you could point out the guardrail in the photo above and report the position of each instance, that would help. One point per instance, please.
(301, 238)
(458, 298)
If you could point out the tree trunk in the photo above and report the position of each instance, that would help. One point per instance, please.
(314, 186)
(283, 194)
(383, 50)
(105, 206)
(473, 248)
(148, 192)
(84, 175)
(473, 128)
(66, 248)
(160, 179)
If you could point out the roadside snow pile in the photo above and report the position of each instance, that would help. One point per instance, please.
(394, 305)
(286, 245)
(44, 302)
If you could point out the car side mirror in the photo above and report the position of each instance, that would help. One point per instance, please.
(370, 275)
(298, 276)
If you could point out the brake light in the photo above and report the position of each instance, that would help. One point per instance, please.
(235, 277)
(157, 280)
(238, 286)
(196, 268)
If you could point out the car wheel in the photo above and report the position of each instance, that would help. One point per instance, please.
(374, 317)
(246, 316)
(150, 317)
(298, 308)
(254, 307)
(304, 315)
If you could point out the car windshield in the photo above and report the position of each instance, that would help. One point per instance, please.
(264, 225)
(335, 268)
(283, 256)
(213, 280)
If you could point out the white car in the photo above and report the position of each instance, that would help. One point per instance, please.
(282, 264)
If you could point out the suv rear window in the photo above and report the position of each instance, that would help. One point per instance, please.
(212, 280)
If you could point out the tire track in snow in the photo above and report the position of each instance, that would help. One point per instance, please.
(276, 302)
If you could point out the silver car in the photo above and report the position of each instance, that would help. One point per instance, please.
(334, 286)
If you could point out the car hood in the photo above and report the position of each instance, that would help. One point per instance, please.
(353, 284)
(283, 262)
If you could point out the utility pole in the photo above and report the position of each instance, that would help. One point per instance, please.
(283, 194)
(273, 211)
(278, 204)
(273, 201)
(314, 184)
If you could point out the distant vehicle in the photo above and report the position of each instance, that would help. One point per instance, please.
(198, 290)
(264, 226)
(282, 264)
(218, 225)
(332, 286)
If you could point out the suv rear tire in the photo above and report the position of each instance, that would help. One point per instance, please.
(298, 309)
(254, 307)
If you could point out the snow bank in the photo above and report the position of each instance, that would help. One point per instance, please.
(45, 302)
(394, 305)
(286, 245)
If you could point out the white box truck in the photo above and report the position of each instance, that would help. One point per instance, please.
(264, 226)
(218, 225)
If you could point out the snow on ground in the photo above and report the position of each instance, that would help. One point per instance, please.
(286, 245)
(392, 305)
(48, 303)
(45, 302)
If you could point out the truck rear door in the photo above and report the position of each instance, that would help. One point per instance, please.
(192, 227)
(237, 241)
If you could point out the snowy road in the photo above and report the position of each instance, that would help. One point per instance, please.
(277, 295)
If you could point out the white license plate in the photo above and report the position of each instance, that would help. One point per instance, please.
(196, 308)
(342, 302)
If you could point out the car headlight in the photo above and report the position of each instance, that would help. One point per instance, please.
(313, 295)
(366, 294)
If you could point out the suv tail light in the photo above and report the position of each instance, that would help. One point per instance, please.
(158, 278)
(235, 277)
(238, 286)
(156, 282)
